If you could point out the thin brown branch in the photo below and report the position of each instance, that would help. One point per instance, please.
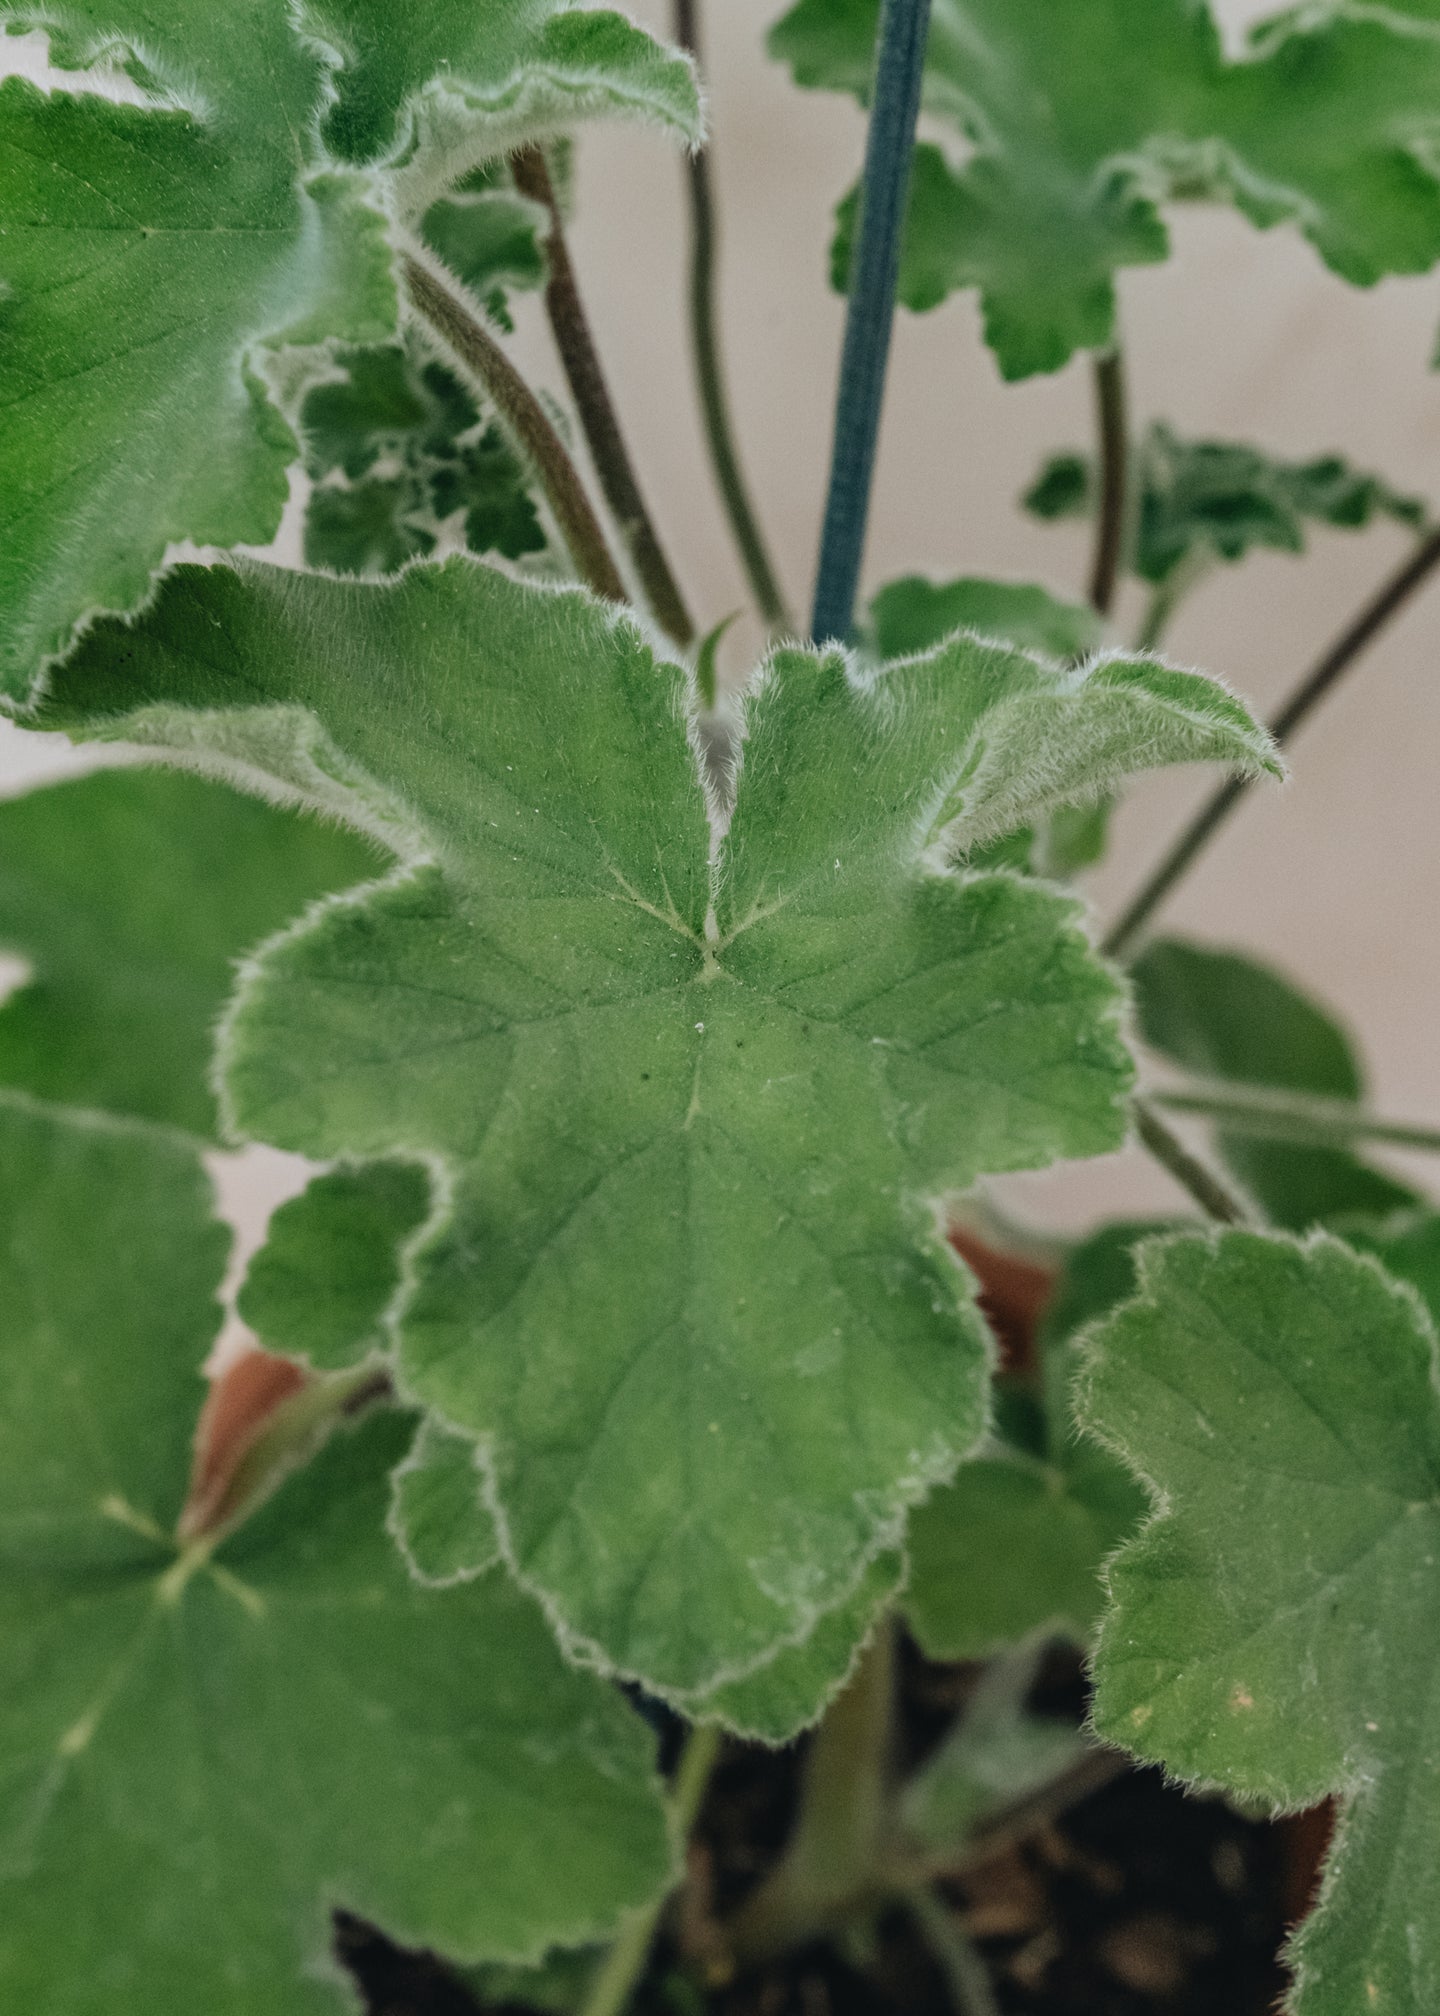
(1320, 680)
(710, 370)
(1114, 459)
(596, 408)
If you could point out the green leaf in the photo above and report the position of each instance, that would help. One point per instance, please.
(1273, 1630)
(1078, 123)
(685, 1112)
(367, 527)
(434, 91)
(437, 1512)
(1202, 501)
(391, 410)
(1408, 1246)
(997, 1754)
(1225, 1015)
(204, 1751)
(912, 614)
(151, 253)
(791, 1693)
(491, 237)
(322, 1285)
(131, 896)
(1015, 1544)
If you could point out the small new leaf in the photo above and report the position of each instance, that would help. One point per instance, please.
(1273, 1629)
(131, 895)
(205, 1750)
(692, 1296)
(1202, 501)
(398, 448)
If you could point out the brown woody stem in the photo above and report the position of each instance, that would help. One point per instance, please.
(596, 408)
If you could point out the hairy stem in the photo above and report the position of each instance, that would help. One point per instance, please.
(1112, 434)
(895, 107)
(1324, 675)
(619, 1973)
(833, 1860)
(596, 408)
(1211, 1192)
(1294, 1116)
(709, 368)
(465, 336)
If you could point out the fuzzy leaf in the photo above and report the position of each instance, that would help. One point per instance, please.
(1225, 1015)
(1015, 1544)
(321, 1285)
(1273, 1630)
(131, 895)
(1079, 122)
(1219, 500)
(437, 90)
(786, 1696)
(149, 254)
(491, 237)
(673, 1136)
(202, 1755)
(913, 614)
(410, 421)
(437, 1513)
(153, 252)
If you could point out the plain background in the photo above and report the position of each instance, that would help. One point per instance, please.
(1241, 335)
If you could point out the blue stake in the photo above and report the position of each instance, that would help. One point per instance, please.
(895, 107)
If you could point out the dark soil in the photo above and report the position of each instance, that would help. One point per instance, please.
(1139, 1900)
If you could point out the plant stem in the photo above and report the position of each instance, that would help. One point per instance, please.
(833, 1860)
(1307, 696)
(1293, 1116)
(710, 371)
(619, 1973)
(1211, 1192)
(596, 408)
(965, 1972)
(895, 107)
(1114, 470)
(464, 334)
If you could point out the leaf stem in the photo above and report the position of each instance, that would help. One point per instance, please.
(895, 108)
(966, 1975)
(710, 371)
(463, 332)
(1293, 1116)
(619, 1973)
(596, 408)
(1325, 674)
(1113, 436)
(833, 1859)
(1211, 1192)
